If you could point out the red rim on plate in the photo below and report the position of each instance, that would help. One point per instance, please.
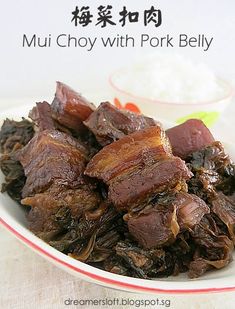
(100, 279)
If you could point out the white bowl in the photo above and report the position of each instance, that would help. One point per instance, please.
(208, 111)
(12, 217)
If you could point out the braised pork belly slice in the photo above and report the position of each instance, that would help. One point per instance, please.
(70, 109)
(53, 163)
(137, 167)
(189, 137)
(142, 184)
(52, 157)
(42, 116)
(134, 150)
(109, 123)
(160, 224)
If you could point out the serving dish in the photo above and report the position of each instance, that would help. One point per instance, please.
(12, 217)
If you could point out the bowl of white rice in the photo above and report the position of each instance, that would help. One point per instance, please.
(171, 87)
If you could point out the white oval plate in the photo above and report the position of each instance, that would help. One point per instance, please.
(12, 217)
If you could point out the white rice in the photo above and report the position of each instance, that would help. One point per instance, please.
(171, 78)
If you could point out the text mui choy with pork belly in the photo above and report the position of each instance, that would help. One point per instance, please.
(113, 189)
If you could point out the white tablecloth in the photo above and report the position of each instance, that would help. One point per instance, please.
(28, 281)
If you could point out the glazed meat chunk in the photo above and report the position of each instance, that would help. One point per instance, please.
(53, 163)
(70, 109)
(160, 224)
(109, 124)
(154, 227)
(137, 167)
(189, 137)
(51, 157)
(141, 185)
(134, 150)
